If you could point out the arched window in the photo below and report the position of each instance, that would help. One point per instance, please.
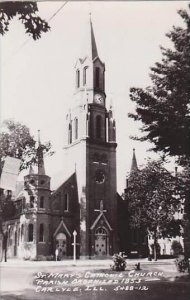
(98, 126)
(101, 231)
(78, 78)
(18, 236)
(76, 128)
(30, 232)
(85, 75)
(9, 235)
(22, 233)
(41, 233)
(66, 202)
(97, 77)
(70, 132)
(31, 201)
(42, 202)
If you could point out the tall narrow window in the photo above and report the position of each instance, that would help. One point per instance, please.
(78, 78)
(42, 202)
(97, 77)
(66, 202)
(31, 201)
(85, 75)
(70, 133)
(30, 232)
(98, 126)
(22, 233)
(18, 236)
(41, 233)
(76, 128)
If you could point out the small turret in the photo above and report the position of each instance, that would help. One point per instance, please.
(111, 124)
(37, 178)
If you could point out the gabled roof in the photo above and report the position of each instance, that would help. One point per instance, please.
(101, 215)
(62, 224)
(70, 178)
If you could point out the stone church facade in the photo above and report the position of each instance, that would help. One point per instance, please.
(87, 200)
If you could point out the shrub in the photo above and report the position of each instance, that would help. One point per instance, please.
(50, 257)
(119, 262)
(176, 248)
(41, 258)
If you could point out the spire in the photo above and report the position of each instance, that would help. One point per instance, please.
(31, 170)
(89, 48)
(40, 157)
(134, 162)
(39, 142)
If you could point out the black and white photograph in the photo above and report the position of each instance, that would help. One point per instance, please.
(94, 150)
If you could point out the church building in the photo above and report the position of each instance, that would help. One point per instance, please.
(87, 201)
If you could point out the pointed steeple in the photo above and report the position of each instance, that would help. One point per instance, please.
(134, 166)
(40, 157)
(31, 170)
(89, 47)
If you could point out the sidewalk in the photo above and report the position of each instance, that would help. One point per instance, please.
(82, 262)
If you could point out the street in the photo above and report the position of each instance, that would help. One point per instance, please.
(55, 280)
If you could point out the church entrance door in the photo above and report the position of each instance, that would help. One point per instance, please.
(61, 245)
(101, 240)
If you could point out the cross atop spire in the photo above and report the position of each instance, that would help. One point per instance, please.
(134, 166)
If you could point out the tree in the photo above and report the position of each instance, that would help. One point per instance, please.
(164, 107)
(16, 141)
(27, 14)
(153, 198)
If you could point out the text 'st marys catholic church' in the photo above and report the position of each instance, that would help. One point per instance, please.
(87, 201)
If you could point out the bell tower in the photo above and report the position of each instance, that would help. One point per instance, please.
(91, 152)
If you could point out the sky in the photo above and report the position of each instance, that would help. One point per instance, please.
(37, 77)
